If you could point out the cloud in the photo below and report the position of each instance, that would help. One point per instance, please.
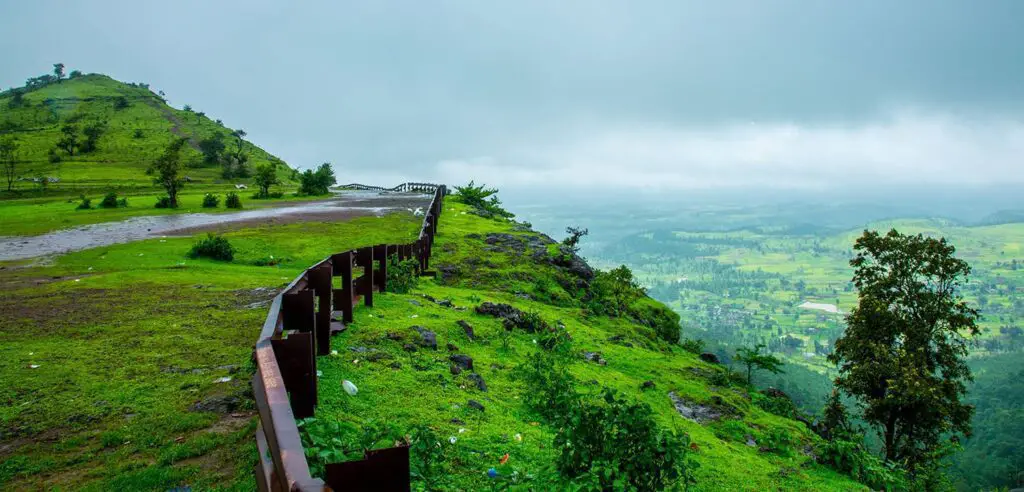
(904, 148)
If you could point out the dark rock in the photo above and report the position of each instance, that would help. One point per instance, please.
(445, 303)
(647, 385)
(414, 302)
(710, 358)
(427, 337)
(429, 298)
(378, 356)
(479, 381)
(359, 350)
(396, 365)
(218, 404)
(447, 273)
(475, 405)
(451, 347)
(457, 421)
(455, 370)
(750, 441)
(394, 336)
(468, 328)
(775, 393)
(594, 357)
(694, 411)
(463, 361)
(510, 316)
(409, 347)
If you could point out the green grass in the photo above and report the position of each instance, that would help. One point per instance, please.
(127, 338)
(422, 390)
(121, 158)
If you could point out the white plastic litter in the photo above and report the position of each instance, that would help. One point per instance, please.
(33, 366)
(452, 439)
(349, 387)
(225, 379)
(319, 374)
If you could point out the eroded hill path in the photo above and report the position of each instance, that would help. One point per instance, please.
(345, 206)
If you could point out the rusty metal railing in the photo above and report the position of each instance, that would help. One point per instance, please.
(298, 328)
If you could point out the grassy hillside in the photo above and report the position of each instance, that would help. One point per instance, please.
(120, 388)
(136, 127)
(481, 260)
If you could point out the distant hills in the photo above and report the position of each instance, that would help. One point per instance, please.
(90, 130)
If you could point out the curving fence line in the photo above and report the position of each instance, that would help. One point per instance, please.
(407, 187)
(298, 328)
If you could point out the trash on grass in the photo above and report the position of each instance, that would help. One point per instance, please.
(349, 387)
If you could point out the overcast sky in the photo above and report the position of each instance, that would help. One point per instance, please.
(672, 95)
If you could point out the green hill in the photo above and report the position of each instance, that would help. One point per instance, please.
(131, 125)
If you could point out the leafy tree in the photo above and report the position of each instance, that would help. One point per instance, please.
(69, 139)
(266, 176)
(754, 359)
(17, 99)
(187, 108)
(903, 352)
(58, 71)
(74, 74)
(317, 182)
(239, 135)
(121, 102)
(9, 159)
(92, 133)
(167, 169)
(484, 200)
(212, 148)
(571, 243)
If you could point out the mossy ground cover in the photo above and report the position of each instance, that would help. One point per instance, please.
(104, 354)
(407, 388)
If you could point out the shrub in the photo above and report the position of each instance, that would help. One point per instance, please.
(109, 200)
(484, 200)
(402, 274)
(274, 194)
(122, 202)
(213, 247)
(86, 203)
(427, 456)
(693, 345)
(138, 133)
(268, 261)
(550, 388)
(317, 182)
(852, 459)
(613, 292)
(615, 444)
(210, 200)
(332, 441)
(777, 405)
(163, 202)
(663, 320)
(233, 201)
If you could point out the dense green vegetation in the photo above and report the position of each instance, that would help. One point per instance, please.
(91, 131)
(746, 287)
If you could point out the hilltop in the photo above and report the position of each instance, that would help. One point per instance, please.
(91, 131)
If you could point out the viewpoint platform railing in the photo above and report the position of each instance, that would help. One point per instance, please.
(404, 187)
(298, 328)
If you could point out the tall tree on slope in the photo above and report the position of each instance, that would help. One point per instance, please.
(903, 353)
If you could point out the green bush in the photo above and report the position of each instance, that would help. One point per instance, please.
(109, 200)
(213, 247)
(550, 388)
(317, 182)
(427, 457)
(85, 204)
(612, 293)
(692, 345)
(163, 202)
(233, 201)
(484, 200)
(122, 202)
(402, 275)
(210, 200)
(615, 444)
(274, 194)
(330, 441)
(777, 405)
(860, 464)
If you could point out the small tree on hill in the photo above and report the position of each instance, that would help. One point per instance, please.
(9, 159)
(92, 132)
(69, 139)
(239, 135)
(903, 354)
(167, 170)
(754, 359)
(58, 71)
(266, 176)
